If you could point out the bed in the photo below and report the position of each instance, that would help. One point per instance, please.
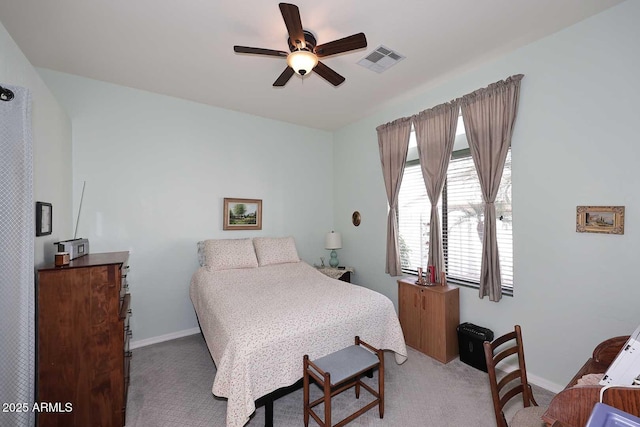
(261, 309)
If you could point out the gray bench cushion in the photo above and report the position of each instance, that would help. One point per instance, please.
(346, 362)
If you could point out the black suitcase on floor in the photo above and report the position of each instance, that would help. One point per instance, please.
(470, 339)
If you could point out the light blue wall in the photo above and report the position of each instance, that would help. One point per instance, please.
(575, 143)
(51, 130)
(157, 169)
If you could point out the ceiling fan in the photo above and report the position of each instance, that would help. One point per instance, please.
(304, 54)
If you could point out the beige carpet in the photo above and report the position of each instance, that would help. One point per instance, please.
(171, 386)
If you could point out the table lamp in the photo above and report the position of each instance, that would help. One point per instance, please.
(333, 241)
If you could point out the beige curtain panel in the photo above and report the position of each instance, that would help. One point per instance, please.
(489, 115)
(436, 132)
(393, 141)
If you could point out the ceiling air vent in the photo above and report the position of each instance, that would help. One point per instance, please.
(381, 59)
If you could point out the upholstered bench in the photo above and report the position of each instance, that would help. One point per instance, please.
(338, 372)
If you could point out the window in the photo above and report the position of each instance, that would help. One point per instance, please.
(461, 217)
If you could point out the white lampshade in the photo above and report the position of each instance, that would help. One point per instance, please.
(302, 61)
(333, 240)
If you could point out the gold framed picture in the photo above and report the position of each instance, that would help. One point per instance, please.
(242, 214)
(600, 219)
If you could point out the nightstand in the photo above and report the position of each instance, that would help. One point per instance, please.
(343, 274)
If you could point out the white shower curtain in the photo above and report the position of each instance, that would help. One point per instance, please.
(17, 301)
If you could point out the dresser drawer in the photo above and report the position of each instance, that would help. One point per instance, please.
(127, 337)
(124, 282)
(127, 365)
(125, 308)
(127, 327)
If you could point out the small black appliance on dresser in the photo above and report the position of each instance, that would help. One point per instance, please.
(470, 339)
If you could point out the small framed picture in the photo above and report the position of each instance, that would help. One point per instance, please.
(242, 214)
(44, 218)
(600, 219)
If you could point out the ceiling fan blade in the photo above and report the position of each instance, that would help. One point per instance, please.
(291, 16)
(328, 74)
(356, 41)
(284, 77)
(259, 51)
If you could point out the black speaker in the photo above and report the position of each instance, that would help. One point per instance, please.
(470, 339)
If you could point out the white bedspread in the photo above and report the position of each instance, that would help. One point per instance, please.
(260, 322)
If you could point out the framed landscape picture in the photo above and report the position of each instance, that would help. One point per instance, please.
(242, 214)
(600, 219)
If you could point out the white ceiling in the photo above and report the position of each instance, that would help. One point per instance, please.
(185, 48)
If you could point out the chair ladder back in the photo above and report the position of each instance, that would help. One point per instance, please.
(511, 394)
(505, 353)
(503, 339)
(507, 345)
(508, 378)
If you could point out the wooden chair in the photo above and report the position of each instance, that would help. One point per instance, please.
(513, 383)
(339, 371)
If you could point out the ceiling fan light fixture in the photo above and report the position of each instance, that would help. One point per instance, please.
(302, 61)
(305, 50)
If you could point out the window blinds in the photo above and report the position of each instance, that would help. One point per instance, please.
(462, 215)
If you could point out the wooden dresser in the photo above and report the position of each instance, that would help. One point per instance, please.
(429, 316)
(83, 333)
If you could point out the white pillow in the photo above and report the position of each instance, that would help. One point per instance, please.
(225, 254)
(275, 250)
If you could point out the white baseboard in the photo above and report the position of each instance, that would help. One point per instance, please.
(544, 383)
(161, 338)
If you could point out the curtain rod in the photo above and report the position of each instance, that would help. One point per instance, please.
(515, 77)
(5, 94)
